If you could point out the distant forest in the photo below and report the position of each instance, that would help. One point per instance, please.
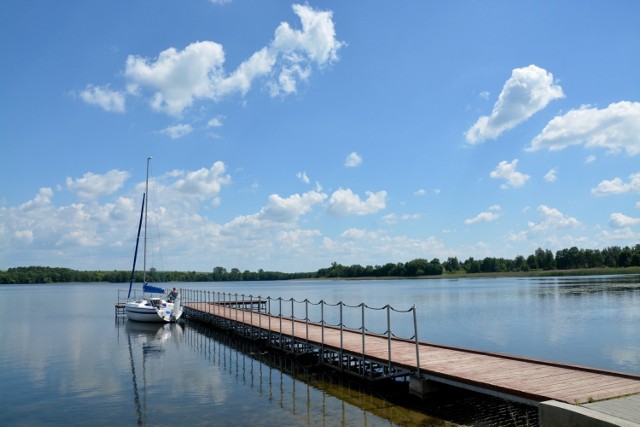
(540, 261)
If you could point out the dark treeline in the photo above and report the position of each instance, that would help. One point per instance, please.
(540, 260)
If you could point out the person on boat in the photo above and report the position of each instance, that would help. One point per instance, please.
(173, 295)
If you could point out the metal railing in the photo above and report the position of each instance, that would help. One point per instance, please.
(360, 318)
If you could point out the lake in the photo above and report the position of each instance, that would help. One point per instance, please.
(66, 359)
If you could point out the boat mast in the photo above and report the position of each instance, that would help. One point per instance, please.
(146, 208)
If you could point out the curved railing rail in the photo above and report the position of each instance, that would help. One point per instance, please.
(360, 318)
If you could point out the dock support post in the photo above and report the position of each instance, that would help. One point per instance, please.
(420, 387)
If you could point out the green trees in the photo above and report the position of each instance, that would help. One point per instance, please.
(564, 259)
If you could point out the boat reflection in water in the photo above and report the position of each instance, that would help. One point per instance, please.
(151, 338)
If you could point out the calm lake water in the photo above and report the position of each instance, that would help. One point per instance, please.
(66, 359)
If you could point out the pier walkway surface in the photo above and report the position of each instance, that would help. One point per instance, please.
(376, 356)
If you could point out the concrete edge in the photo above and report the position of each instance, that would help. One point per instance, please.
(552, 413)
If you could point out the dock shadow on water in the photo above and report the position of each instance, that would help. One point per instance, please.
(286, 389)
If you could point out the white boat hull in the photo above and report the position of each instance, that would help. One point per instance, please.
(152, 310)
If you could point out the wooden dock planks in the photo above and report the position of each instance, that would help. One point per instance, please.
(528, 379)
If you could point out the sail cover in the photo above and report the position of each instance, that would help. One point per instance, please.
(147, 288)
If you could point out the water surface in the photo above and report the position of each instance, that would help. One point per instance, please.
(65, 358)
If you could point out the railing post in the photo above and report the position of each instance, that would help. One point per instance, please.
(236, 305)
(363, 339)
(269, 314)
(415, 332)
(280, 317)
(322, 331)
(389, 336)
(292, 320)
(306, 317)
(259, 312)
(243, 307)
(251, 313)
(341, 338)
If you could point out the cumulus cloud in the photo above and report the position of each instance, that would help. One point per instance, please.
(83, 235)
(345, 202)
(288, 209)
(91, 186)
(203, 183)
(493, 213)
(552, 219)
(176, 79)
(507, 171)
(528, 91)
(615, 128)
(177, 131)
(353, 160)
(43, 198)
(617, 186)
(618, 220)
(104, 98)
(552, 175)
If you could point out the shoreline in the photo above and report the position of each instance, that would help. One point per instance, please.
(609, 271)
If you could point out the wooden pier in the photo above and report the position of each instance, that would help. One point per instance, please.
(377, 356)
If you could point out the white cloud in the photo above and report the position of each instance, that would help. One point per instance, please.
(519, 236)
(288, 209)
(104, 98)
(202, 183)
(177, 131)
(179, 78)
(344, 202)
(528, 91)
(297, 240)
(302, 176)
(92, 186)
(356, 234)
(619, 220)
(420, 192)
(353, 160)
(507, 171)
(24, 235)
(552, 175)
(617, 186)
(615, 128)
(491, 215)
(259, 64)
(316, 41)
(215, 122)
(43, 198)
(552, 219)
(394, 218)
(590, 159)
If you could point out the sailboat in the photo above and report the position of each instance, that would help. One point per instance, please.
(149, 308)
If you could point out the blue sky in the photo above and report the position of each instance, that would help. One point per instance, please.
(286, 136)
